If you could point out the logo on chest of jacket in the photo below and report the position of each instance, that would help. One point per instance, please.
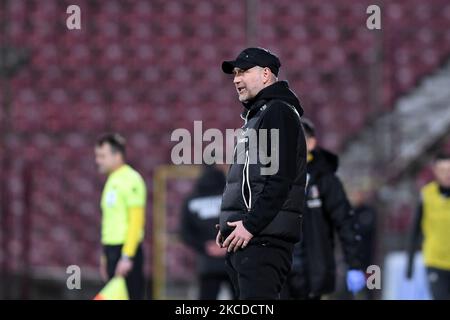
(314, 197)
(111, 198)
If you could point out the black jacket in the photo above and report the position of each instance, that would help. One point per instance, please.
(200, 215)
(327, 211)
(269, 205)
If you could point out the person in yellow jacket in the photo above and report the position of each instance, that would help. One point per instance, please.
(123, 204)
(433, 223)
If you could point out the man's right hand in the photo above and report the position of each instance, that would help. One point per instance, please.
(103, 269)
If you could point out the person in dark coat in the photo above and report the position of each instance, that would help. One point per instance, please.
(199, 217)
(328, 212)
(263, 202)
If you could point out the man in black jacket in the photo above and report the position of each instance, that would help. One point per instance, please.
(260, 217)
(200, 215)
(327, 211)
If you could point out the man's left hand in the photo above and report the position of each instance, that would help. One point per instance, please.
(124, 266)
(239, 238)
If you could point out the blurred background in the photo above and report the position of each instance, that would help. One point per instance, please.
(379, 98)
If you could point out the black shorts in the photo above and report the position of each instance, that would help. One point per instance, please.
(135, 279)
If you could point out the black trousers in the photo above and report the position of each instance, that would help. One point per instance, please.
(439, 281)
(260, 270)
(135, 278)
(296, 288)
(210, 285)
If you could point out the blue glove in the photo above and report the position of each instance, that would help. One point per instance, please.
(356, 280)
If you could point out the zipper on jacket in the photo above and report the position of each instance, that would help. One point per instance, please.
(245, 122)
(244, 118)
(246, 179)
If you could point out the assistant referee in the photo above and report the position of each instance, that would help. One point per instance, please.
(123, 215)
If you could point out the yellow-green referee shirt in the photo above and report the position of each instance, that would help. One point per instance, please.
(123, 209)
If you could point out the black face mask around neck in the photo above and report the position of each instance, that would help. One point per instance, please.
(445, 191)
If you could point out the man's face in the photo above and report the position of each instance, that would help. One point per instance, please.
(311, 143)
(441, 171)
(106, 159)
(249, 82)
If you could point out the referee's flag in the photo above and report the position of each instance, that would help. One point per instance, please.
(115, 289)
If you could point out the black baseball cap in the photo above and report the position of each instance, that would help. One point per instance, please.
(252, 57)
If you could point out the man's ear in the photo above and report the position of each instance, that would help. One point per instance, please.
(434, 169)
(311, 143)
(314, 142)
(267, 74)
